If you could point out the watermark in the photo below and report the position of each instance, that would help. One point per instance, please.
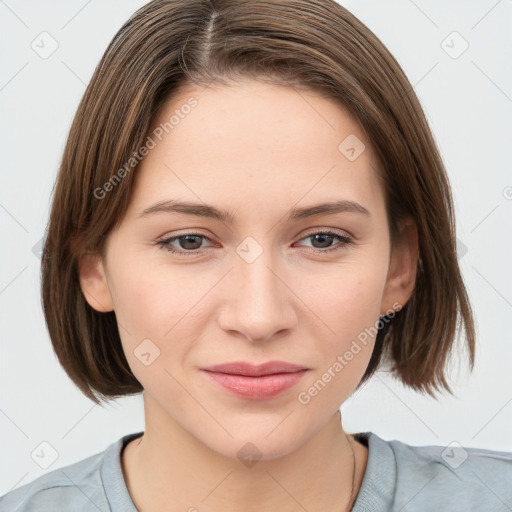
(454, 454)
(351, 147)
(45, 45)
(304, 397)
(249, 249)
(249, 454)
(37, 249)
(454, 45)
(146, 352)
(44, 454)
(462, 249)
(151, 143)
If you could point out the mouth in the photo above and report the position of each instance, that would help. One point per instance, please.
(256, 382)
(250, 370)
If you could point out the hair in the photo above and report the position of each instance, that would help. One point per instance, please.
(316, 44)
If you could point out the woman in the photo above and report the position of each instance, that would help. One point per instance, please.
(251, 216)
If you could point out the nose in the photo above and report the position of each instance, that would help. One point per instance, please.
(257, 301)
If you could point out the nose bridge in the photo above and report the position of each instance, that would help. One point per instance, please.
(257, 301)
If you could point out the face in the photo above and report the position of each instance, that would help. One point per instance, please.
(274, 279)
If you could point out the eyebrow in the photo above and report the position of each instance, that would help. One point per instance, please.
(204, 210)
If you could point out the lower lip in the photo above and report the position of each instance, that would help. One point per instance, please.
(257, 388)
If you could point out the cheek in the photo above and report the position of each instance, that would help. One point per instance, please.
(348, 315)
(162, 304)
(346, 302)
(346, 298)
(150, 298)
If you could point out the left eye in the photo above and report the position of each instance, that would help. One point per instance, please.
(190, 243)
(326, 237)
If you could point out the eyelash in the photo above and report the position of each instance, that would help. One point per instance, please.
(344, 242)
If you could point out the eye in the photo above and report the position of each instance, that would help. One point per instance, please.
(190, 244)
(324, 239)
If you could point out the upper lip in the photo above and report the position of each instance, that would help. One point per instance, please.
(249, 369)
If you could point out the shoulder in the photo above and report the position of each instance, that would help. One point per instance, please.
(451, 477)
(77, 486)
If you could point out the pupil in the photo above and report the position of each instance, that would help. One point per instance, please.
(189, 239)
(326, 238)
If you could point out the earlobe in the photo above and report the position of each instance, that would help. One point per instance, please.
(402, 269)
(93, 283)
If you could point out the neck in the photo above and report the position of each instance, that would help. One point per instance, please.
(168, 468)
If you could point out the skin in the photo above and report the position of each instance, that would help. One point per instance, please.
(257, 150)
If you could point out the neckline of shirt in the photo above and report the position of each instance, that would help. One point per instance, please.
(374, 494)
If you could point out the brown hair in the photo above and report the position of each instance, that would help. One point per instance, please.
(317, 44)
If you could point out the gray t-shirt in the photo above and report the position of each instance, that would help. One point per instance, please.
(398, 477)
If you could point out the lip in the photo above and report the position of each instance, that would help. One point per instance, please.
(251, 370)
(256, 382)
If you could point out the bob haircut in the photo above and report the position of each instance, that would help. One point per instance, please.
(316, 44)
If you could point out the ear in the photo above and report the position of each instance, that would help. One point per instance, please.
(402, 268)
(93, 283)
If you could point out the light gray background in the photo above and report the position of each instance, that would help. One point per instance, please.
(468, 101)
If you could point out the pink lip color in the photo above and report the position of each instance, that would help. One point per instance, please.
(257, 388)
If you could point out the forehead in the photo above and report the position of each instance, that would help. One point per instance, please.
(257, 142)
(250, 114)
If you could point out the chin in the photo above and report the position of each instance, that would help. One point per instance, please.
(249, 451)
(254, 441)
